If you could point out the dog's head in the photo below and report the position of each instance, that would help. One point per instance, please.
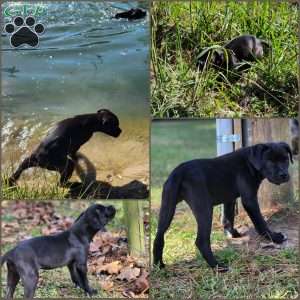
(108, 123)
(272, 161)
(97, 216)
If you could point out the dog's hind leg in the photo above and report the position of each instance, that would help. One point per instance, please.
(228, 220)
(29, 276)
(166, 214)
(12, 280)
(66, 171)
(27, 163)
(203, 212)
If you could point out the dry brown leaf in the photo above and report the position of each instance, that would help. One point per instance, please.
(95, 245)
(8, 239)
(111, 268)
(129, 273)
(10, 225)
(141, 285)
(106, 285)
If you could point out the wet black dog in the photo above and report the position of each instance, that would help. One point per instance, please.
(69, 248)
(132, 14)
(57, 151)
(244, 48)
(203, 183)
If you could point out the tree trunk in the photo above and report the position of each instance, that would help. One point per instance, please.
(135, 227)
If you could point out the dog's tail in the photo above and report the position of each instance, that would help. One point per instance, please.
(169, 201)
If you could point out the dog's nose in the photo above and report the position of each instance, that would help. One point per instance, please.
(283, 176)
(110, 211)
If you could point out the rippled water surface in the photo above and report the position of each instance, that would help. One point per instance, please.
(86, 60)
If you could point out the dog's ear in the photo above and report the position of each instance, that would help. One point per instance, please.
(104, 115)
(256, 155)
(102, 110)
(288, 150)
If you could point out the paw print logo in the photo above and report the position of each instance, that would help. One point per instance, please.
(24, 33)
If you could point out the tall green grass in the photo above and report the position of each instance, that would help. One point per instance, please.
(181, 29)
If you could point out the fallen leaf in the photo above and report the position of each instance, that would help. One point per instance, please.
(111, 268)
(106, 285)
(129, 273)
(141, 285)
(95, 245)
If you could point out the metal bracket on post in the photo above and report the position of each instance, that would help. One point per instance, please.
(228, 138)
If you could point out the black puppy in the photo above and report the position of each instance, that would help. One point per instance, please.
(69, 248)
(57, 151)
(132, 14)
(203, 183)
(242, 48)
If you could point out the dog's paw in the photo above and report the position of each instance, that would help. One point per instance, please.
(232, 233)
(92, 292)
(11, 182)
(277, 237)
(221, 268)
(159, 264)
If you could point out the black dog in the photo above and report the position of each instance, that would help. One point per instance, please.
(203, 183)
(242, 48)
(132, 14)
(57, 151)
(69, 248)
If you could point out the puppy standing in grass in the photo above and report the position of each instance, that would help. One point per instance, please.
(57, 151)
(69, 248)
(203, 183)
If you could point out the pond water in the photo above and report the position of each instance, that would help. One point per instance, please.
(85, 60)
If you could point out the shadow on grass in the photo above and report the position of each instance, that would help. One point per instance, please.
(89, 187)
(104, 190)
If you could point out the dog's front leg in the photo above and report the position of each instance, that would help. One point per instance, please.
(82, 271)
(251, 206)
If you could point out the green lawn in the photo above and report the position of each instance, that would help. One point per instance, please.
(254, 272)
(180, 29)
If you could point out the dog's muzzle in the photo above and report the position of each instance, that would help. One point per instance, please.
(117, 132)
(280, 178)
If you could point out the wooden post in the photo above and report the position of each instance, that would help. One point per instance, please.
(135, 226)
(272, 130)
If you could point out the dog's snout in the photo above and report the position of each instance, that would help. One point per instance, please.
(283, 176)
(110, 211)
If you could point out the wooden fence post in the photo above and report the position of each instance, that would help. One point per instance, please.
(135, 226)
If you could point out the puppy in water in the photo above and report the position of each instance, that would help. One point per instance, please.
(132, 14)
(57, 151)
(244, 48)
(68, 248)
